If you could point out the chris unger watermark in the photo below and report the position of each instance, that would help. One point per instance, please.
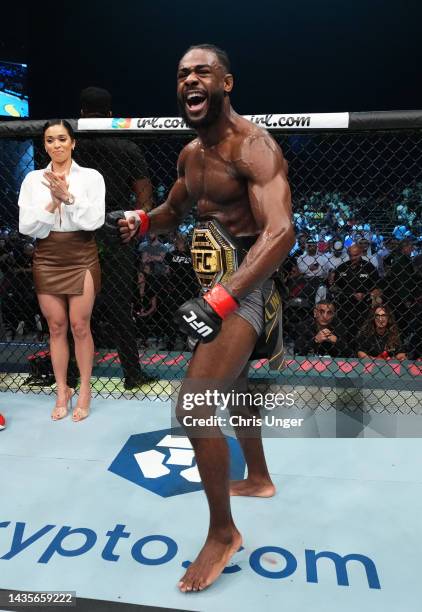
(236, 401)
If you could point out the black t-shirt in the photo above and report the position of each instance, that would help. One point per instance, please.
(119, 160)
(359, 279)
(402, 282)
(182, 280)
(305, 344)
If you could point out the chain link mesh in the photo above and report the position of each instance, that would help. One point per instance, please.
(352, 318)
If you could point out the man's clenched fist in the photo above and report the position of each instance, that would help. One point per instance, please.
(201, 318)
(127, 224)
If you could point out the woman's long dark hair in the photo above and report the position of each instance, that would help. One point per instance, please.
(392, 333)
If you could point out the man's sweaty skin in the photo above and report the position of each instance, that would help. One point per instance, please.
(240, 182)
(236, 174)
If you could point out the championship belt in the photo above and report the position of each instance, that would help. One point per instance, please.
(215, 255)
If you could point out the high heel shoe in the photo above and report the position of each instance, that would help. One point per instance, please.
(60, 412)
(81, 412)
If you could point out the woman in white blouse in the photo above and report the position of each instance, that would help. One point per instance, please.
(61, 206)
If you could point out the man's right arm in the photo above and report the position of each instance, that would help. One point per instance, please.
(166, 217)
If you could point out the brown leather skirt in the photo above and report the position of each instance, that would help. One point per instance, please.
(62, 260)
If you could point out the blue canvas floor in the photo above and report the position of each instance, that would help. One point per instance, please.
(70, 489)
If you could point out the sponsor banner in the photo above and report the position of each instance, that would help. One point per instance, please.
(164, 463)
(148, 124)
(311, 121)
(153, 550)
(294, 121)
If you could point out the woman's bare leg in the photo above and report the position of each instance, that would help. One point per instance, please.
(54, 309)
(80, 310)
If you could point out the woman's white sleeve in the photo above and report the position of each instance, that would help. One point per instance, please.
(33, 220)
(88, 211)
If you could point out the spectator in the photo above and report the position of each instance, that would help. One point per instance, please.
(181, 275)
(337, 256)
(402, 213)
(354, 281)
(293, 279)
(300, 245)
(402, 285)
(349, 239)
(377, 240)
(181, 285)
(127, 186)
(366, 254)
(400, 232)
(380, 337)
(7, 287)
(323, 245)
(19, 303)
(145, 306)
(415, 339)
(405, 216)
(386, 255)
(323, 336)
(153, 253)
(311, 266)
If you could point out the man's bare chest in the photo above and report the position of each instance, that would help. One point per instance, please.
(211, 176)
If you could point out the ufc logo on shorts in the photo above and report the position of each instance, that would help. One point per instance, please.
(198, 326)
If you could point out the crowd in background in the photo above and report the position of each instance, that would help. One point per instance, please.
(344, 262)
(342, 269)
(352, 282)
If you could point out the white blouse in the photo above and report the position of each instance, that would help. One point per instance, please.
(87, 213)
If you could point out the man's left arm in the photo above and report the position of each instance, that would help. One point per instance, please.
(263, 166)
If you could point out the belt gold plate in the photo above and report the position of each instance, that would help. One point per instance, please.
(214, 254)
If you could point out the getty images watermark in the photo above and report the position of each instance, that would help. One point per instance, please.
(206, 411)
(205, 408)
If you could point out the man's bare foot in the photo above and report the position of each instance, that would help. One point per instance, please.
(210, 562)
(250, 488)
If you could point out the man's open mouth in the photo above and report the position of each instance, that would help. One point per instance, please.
(196, 101)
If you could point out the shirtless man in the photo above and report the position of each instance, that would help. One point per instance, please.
(236, 174)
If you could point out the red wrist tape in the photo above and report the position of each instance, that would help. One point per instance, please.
(221, 301)
(145, 222)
